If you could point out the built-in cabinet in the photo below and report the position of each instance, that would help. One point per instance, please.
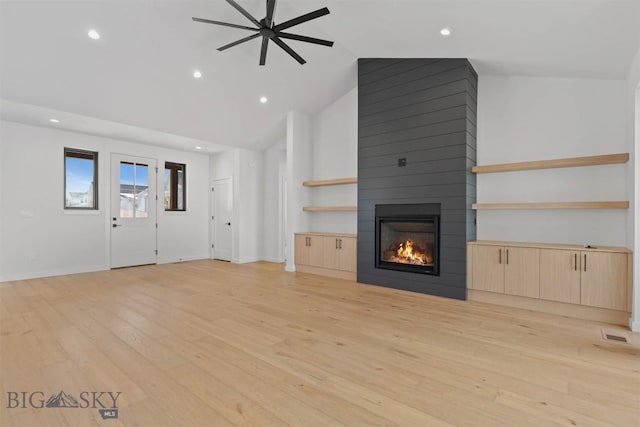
(327, 254)
(560, 275)
(603, 278)
(510, 270)
(339, 253)
(309, 250)
(597, 277)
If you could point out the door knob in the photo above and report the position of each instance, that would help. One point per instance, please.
(115, 225)
(228, 223)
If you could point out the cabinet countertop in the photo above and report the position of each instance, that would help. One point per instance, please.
(314, 233)
(572, 247)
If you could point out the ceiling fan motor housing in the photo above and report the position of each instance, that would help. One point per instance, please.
(266, 29)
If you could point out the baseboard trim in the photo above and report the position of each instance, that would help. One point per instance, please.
(273, 259)
(51, 273)
(182, 259)
(338, 274)
(634, 325)
(247, 260)
(552, 307)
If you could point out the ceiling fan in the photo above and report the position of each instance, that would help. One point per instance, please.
(268, 30)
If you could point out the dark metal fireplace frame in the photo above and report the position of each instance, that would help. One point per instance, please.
(420, 269)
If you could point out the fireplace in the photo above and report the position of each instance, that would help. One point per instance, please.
(407, 238)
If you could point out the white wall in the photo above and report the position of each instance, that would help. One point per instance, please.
(274, 168)
(40, 238)
(633, 132)
(531, 118)
(2, 161)
(227, 165)
(335, 155)
(245, 169)
(299, 169)
(251, 208)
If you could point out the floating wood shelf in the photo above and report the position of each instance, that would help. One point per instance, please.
(326, 182)
(571, 162)
(552, 205)
(330, 208)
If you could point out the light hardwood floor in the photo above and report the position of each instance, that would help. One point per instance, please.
(209, 343)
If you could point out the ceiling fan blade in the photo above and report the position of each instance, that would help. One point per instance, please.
(263, 50)
(237, 42)
(226, 24)
(244, 12)
(271, 6)
(305, 39)
(287, 49)
(303, 18)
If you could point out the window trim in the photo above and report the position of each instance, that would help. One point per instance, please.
(174, 167)
(90, 155)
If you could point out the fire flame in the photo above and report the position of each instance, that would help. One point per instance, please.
(407, 254)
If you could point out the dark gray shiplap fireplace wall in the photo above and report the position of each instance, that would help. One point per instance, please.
(422, 110)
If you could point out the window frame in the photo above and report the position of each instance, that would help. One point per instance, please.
(82, 154)
(174, 167)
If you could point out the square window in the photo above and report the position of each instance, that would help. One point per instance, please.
(80, 179)
(175, 187)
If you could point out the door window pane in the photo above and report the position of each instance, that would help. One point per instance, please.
(141, 191)
(134, 190)
(127, 197)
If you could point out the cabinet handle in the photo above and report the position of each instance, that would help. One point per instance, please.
(308, 241)
(499, 256)
(585, 262)
(340, 246)
(337, 244)
(575, 262)
(507, 256)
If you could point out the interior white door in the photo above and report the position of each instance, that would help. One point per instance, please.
(222, 229)
(133, 211)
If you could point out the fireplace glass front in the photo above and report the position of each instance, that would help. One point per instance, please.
(408, 243)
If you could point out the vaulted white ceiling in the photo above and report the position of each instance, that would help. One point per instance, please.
(136, 81)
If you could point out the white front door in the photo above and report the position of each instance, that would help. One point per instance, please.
(221, 227)
(133, 211)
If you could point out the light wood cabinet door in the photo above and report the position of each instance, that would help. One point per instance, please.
(347, 249)
(316, 251)
(604, 279)
(560, 275)
(309, 250)
(302, 251)
(487, 266)
(522, 272)
(340, 253)
(331, 254)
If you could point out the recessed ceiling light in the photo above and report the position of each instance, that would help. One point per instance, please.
(54, 120)
(197, 74)
(198, 147)
(93, 34)
(445, 32)
(263, 99)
